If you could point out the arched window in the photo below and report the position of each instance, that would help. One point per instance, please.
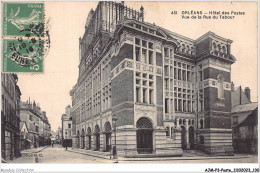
(214, 46)
(144, 123)
(183, 48)
(188, 49)
(219, 47)
(224, 49)
(220, 86)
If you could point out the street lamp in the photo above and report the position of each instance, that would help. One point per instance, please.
(114, 119)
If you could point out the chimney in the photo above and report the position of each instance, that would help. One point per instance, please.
(142, 13)
(232, 87)
(247, 93)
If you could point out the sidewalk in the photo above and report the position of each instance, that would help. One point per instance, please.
(27, 156)
(187, 155)
(99, 154)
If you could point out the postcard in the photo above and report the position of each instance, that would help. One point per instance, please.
(135, 82)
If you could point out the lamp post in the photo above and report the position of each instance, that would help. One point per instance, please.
(114, 119)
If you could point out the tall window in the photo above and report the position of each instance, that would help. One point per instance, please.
(144, 55)
(144, 95)
(220, 86)
(166, 105)
(150, 57)
(150, 96)
(137, 53)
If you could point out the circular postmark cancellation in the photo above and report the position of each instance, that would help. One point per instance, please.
(25, 37)
(26, 53)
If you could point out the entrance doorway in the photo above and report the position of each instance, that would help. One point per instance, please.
(191, 137)
(82, 139)
(144, 136)
(183, 137)
(108, 136)
(89, 138)
(97, 136)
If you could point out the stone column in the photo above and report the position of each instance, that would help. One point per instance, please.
(178, 125)
(104, 141)
(93, 142)
(187, 134)
(80, 142)
(101, 137)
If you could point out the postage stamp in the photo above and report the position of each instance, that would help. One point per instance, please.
(23, 19)
(23, 37)
(22, 55)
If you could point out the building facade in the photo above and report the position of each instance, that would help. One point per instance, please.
(39, 128)
(244, 121)
(10, 117)
(169, 92)
(66, 127)
(59, 136)
(24, 136)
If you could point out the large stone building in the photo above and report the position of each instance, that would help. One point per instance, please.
(39, 128)
(163, 87)
(10, 117)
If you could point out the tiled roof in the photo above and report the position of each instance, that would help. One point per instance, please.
(244, 107)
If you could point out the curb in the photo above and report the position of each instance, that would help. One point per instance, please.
(102, 157)
(183, 158)
(163, 158)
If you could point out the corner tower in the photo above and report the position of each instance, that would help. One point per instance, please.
(214, 61)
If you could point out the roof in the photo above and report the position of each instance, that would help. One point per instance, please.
(244, 107)
(251, 120)
(238, 97)
(23, 123)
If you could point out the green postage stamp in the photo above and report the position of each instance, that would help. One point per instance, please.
(23, 37)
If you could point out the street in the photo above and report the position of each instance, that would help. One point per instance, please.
(58, 154)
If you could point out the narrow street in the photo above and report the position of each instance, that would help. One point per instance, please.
(58, 154)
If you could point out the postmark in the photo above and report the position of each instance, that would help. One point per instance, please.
(23, 55)
(24, 37)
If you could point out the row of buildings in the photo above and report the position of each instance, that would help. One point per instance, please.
(36, 127)
(23, 124)
(168, 92)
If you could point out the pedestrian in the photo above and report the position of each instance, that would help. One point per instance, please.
(52, 144)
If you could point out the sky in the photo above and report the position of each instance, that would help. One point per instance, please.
(51, 89)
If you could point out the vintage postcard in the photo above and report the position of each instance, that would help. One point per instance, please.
(129, 82)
